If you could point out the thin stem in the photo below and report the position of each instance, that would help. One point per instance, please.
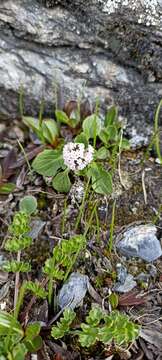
(90, 219)
(17, 279)
(110, 244)
(41, 113)
(97, 225)
(20, 300)
(25, 156)
(50, 289)
(156, 129)
(82, 206)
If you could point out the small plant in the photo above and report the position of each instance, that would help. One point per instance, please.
(114, 328)
(80, 156)
(28, 204)
(46, 130)
(64, 257)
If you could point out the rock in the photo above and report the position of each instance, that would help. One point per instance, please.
(128, 285)
(73, 291)
(100, 48)
(140, 241)
(37, 226)
(125, 281)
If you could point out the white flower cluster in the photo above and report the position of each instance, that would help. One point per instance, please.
(148, 11)
(76, 156)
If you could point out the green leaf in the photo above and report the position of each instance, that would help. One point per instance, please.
(104, 136)
(19, 352)
(61, 182)
(114, 300)
(81, 139)
(33, 124)
(16, 244)
(62, 117)
(9, 323)
(28, 204)
(102, 153)
(20, 224)
(16, 266)
(48, 162)
(92, 126)
(7, 188)
(111, 116)
(63, 326)
(50, 130)
(32, 330)
(88, 336)
(125, 144)
(34, 344)
(101, 179)
(95, 316)
(36, 289)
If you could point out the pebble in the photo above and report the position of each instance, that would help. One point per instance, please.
(73, 291)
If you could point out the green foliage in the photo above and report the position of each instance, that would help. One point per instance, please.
(62, 117)
(47, 130)
(118, 328)
(17, 244)
(48, 162)
(61, 181)
(14, 342)
(100, 178)
(114, 300)
(107, 133)
(63, 326)
(7, 188)
(20, 224)
(91, 126)
(28, 204)
(36, 289)
(113, 328)
(16, 266)
(64, 256)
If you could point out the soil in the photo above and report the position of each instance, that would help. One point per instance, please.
(138, 197)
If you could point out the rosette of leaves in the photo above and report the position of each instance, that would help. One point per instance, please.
(115, 328)
(46, 130)
(62, 327)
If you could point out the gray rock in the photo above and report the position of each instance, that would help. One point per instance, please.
(140, 241)
(128, 285)
(112, 56)
(73, 291)
(37, 226)
(125, 281)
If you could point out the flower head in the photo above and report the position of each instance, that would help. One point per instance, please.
(76, 156)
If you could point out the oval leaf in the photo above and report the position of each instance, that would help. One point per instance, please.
(48, 162)
(28, 204)
(50, 130)
(61, 182)
(92, 126)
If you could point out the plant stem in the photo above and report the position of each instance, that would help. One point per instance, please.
(156, 129)
(110, 244)
(17, 278)
(82, 206)
(25, 156)
(41, 113)
(50, 289)
(20, 300)
(90, 220)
